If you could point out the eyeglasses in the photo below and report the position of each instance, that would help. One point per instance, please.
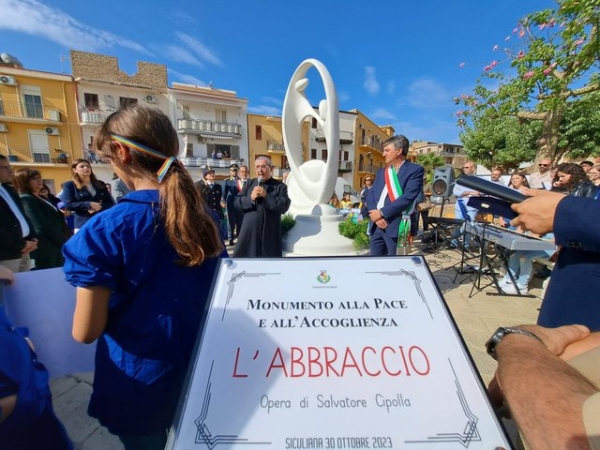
(544, 165)
(368, 179)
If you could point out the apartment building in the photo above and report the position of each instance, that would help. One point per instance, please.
(266, 139)
(212, 125)
(38, 121)
(360, 145)
(453, 154)
(369, 147)
(347, 144)
(103, 88)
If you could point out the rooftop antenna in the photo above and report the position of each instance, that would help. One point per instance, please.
(62, 60)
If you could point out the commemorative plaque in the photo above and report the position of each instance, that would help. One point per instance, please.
(333, 353)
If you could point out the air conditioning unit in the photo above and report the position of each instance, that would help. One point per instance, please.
(10, 81)
(201, 139)
(52, 131)
(3, 128)
(54, 115)
(151, 99)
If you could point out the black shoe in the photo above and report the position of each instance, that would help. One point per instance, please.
(543, 273)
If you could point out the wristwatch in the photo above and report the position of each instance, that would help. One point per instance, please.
(499, 334)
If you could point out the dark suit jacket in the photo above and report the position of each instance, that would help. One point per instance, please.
(11, 236)
(49, 224)
(212, 196)
(410, 176)
(230, 190)
(572, 295)
(78, 201)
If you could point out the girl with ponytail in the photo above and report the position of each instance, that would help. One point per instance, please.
(143, 271)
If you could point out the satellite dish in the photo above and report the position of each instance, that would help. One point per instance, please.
(7, 58)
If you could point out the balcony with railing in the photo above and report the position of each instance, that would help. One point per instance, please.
(345, 166)
(275, 147)
(372, 143)
(93, 117)
(346, 137)
(368, 167)
(209, 128)
(29, 112)
(278, 172)
(210, 162)
(28, 156)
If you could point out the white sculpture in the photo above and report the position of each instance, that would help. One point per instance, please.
(311, 183)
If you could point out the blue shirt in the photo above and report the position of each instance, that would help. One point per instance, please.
(155, 312)
(32, 423)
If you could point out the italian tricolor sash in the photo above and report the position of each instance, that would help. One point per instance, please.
(394, 191)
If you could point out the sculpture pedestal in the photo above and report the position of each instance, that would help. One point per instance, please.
(318, 234)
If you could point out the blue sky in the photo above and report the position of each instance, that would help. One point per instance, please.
(397, 61)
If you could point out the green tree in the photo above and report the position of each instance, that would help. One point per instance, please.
(550, 68)
(579, 132)
(504, 142)
(430, 161)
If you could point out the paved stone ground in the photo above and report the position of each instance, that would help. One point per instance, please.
(477, 318)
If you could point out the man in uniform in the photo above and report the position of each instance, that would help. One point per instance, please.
(212, 194)
(233, 187)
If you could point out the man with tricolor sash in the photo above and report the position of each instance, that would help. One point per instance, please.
(392, 199)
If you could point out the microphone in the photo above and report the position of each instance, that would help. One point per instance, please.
(259, 180)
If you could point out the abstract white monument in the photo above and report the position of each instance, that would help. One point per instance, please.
(311, 183)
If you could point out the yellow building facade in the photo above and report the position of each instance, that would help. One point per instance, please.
(38, 122)
(265, 138)
(368, 147)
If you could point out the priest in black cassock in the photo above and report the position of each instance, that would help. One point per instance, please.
(263, 201)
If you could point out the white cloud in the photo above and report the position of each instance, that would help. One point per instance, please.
(265, 110)
(183, 17)
(391, 87)
(371, 84)
(333, 51)
(428, 93)
(199, 49)
(185, 78)
(382, 114)
(429, 130)
(343, 96)
(35, 18)
(180, 54)
(275, 101)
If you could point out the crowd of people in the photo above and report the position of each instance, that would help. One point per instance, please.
(153, 223)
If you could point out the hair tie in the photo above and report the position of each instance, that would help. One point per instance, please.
(148, 151)
(165, 168)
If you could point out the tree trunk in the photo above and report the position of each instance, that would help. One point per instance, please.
(548, 141)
